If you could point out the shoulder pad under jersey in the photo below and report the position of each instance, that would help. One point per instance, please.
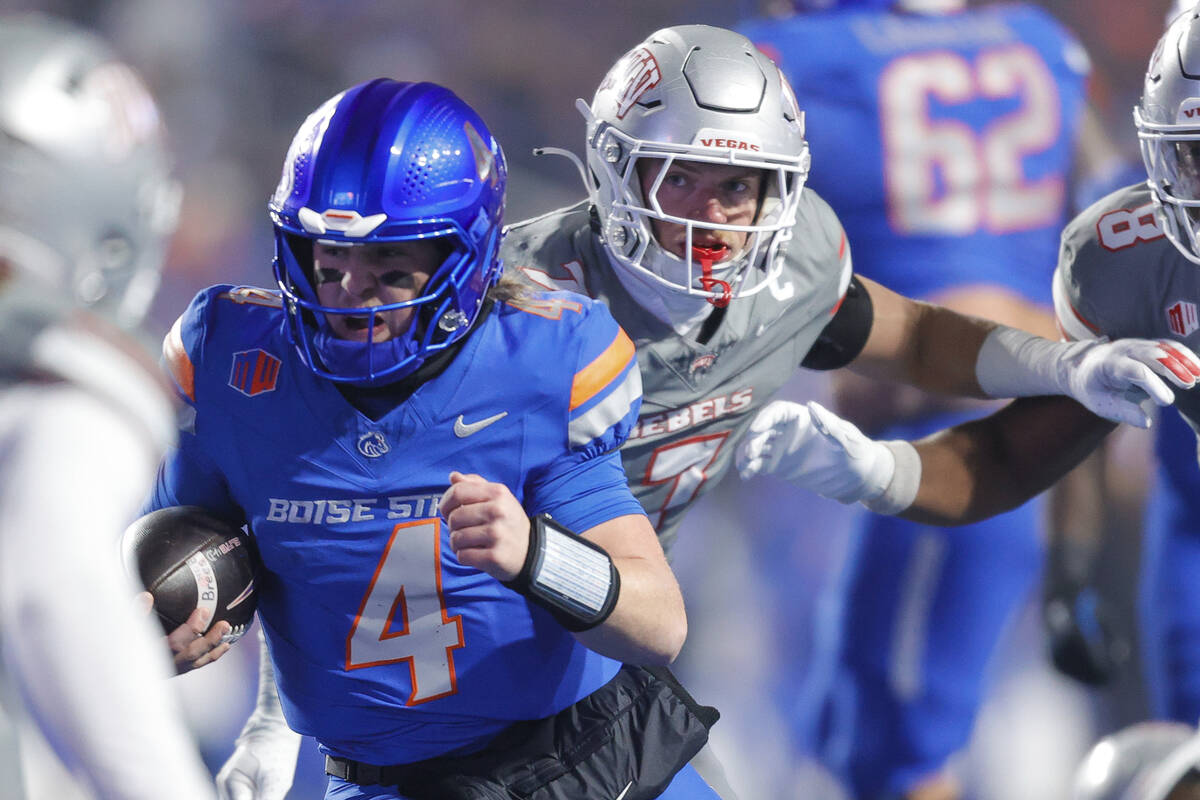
(606, 386)
(1113, 261)
(183, 346)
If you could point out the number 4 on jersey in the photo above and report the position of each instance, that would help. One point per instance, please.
(403, 615)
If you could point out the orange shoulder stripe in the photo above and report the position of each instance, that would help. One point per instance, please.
(600, 373)
(178, 363)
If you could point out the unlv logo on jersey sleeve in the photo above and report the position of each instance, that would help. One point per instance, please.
(1181, 317)
(254, 372)
(639, 74)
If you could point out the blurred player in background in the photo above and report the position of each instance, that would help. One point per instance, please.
(945, 141)
(87, 202)
(436, 633)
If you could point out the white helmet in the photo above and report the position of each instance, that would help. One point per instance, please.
(1168, 125)
(87, 199)
(1178, 7)
(1145, 761)
(699, 94)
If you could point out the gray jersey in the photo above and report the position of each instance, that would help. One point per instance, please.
(698, 399)
(1119, 276)
(85, 417)
(45, 339)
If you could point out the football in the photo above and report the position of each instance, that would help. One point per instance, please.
(188, 558)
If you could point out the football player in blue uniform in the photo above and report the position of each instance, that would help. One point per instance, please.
(944, 142)
(453, 568)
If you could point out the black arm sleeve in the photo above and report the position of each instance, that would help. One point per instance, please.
(846, 334)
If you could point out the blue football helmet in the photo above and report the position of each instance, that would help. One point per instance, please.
(387, 161)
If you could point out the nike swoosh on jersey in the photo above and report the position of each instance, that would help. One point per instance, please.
(464, 429)
(625, 791)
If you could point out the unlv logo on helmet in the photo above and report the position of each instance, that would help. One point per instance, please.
(640, 73)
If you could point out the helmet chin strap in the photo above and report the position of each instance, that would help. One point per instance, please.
(707, 256)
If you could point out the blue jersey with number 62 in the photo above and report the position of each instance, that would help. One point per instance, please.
(944, 142)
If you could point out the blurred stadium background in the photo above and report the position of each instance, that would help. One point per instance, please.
(235, 78)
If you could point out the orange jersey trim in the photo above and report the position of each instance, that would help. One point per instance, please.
(178, 363)
(600, 373)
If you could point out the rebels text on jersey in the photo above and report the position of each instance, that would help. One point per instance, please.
(385, 648)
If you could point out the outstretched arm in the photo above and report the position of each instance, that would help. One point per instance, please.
(960, 475)
(942, 351)
(987, 466)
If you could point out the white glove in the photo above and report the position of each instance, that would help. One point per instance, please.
(264, 759)
(819, 451)
(1110, 379)
(263, 763)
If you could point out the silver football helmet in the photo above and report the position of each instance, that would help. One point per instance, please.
(1168, 126)
(1156, 760)
(1178, 7)
(87, 198)
(698, 94)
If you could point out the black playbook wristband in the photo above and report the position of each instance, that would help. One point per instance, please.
(572, 578)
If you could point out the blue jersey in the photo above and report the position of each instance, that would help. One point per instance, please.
(944, 143)
(385, 647)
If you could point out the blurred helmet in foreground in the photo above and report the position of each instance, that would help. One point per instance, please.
(1178, 7)
(1146, 761)
(87, 199)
